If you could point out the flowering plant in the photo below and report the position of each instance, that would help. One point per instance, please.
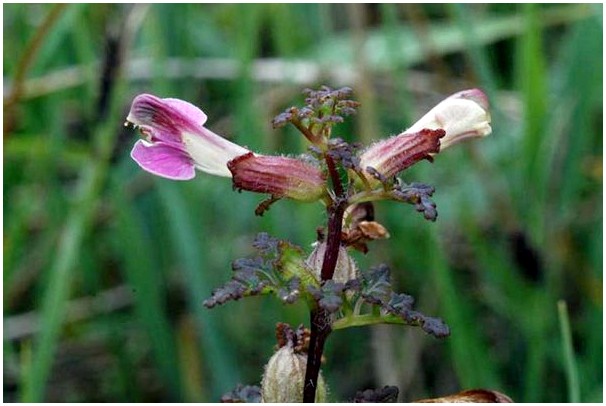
(346, 179)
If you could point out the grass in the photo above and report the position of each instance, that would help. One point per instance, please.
(519, 229)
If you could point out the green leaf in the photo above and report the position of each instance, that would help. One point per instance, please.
(279, 269)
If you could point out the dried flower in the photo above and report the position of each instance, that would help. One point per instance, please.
(345, 270)
(284, 375)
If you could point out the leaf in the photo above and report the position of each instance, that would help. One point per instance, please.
(329, 295)
(345, 153)
(387, 394)
(419, 195)
(279, 268)
(374, 287)
(243, 394)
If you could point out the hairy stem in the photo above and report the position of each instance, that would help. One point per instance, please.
(320, 318)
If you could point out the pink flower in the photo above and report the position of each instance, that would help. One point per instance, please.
(176, 144)
(460, 116)
(176, 141)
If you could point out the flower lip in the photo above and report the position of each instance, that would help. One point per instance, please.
(175, 135)
(162, 159)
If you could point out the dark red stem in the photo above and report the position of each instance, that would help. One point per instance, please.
(320, 329)
(320, 318)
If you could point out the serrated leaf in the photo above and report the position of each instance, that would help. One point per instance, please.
(374, 287)
(329, 296)
(419, 195)
(279, 268)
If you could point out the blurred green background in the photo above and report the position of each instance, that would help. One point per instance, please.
(106, 266)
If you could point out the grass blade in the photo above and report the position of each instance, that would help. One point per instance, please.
(570, 364)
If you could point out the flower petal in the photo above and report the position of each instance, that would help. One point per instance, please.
(211, 152)
(165, 119)
(462, 115)
(187, 109)
(179, 124)
(163, 160)
(475, 95)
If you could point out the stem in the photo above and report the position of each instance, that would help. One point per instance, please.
(305, 131)
(368, 196)
(335, 223)
(320, 318)
(572, 376)
(334, 176)
(320, 329)
(333, 241)
(27, 60)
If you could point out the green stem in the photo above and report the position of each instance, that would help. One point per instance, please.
(366, 320)
(306, 132)
(368, 196)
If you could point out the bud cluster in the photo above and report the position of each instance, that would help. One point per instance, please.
(323, 109)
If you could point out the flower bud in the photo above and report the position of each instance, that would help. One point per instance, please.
(283, 380)
(278, 176)
(345, 270)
